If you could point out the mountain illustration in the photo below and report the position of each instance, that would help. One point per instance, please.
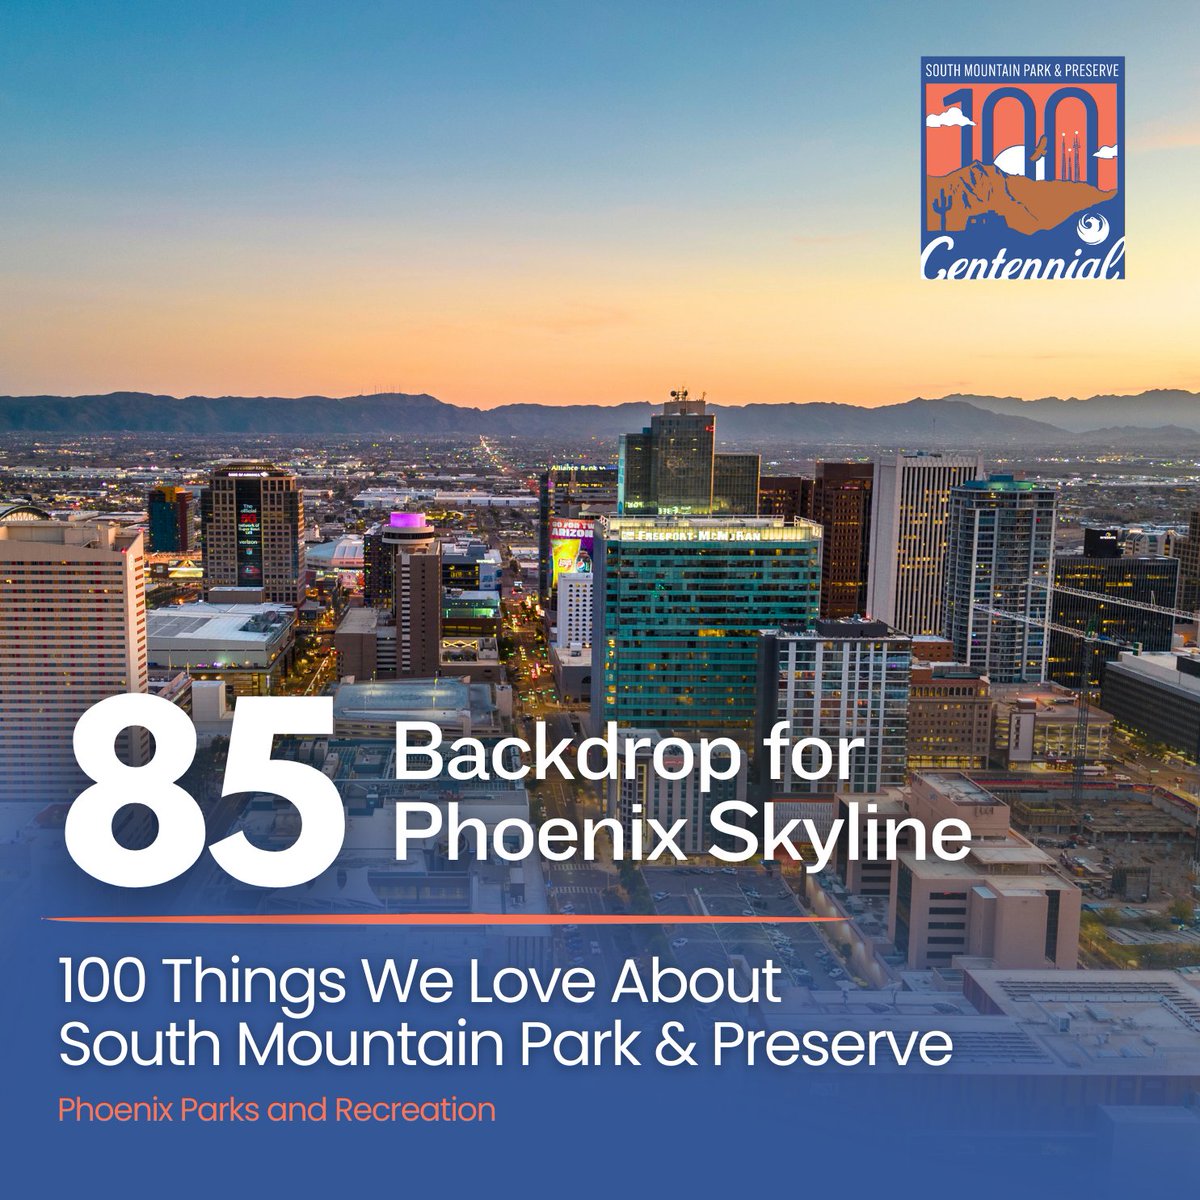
(1026, 205)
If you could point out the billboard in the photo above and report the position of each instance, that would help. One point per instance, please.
(249, 534)
(570, 546)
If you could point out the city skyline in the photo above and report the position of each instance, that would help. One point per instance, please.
(535, 205)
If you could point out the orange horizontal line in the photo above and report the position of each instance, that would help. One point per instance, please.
(432, 919)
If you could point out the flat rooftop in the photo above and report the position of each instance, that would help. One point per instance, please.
(959, 788)
(413, 700)
(359, 620)
(205, 623)
(1123, 1022)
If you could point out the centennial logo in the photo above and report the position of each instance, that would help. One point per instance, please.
(1022, 168)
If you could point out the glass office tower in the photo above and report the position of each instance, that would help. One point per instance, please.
(677, 610)
(169, 524)
(671, 469)
(1123, 596)
(998, 562)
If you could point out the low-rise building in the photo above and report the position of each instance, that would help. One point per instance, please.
(470, 613)
(471, 565)
(572, 667)
(357, 644)
(249, 646)
(1158, 696)
(478, 658)
(1038, 723)
(1006, 901)
(949, 717)
(456, 705)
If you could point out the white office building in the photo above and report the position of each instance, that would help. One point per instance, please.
(73, 599)
(574, 626)
(909, 530)
(836, 679)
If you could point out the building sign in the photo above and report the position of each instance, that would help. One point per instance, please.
(570, 547)
(249, 535)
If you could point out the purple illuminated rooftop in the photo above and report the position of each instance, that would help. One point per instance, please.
(407, 520)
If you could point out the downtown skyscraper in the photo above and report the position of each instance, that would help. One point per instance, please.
(671, 467)
(831, 680)
(73, 598)
(909, 526)
(838, 498)
(169, 520)
(677, 610)
(998, 574)
(252, 518)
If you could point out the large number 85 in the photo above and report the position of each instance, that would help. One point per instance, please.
(180, 839)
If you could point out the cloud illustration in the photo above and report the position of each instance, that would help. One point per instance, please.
(952, 116)
(1106, 151)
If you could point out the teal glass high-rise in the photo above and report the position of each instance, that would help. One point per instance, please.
(678, 606)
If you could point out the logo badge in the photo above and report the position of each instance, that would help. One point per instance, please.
(1022, 168)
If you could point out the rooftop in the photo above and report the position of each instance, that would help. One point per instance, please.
(958, 788)
(434, 700)
(345, 554)
(205, 622)
(1126, 1022)
(845, 628)
(709, 529)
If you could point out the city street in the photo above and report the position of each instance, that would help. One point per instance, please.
(800, 949)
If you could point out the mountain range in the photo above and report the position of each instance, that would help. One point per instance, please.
(1162, 416)
(1026, 205)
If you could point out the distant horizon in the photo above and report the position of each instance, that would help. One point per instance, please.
(696, 395)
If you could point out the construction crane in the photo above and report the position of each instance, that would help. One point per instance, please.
(1069, 630)
(1087, 656)
(1105, 598)
(1093, 640)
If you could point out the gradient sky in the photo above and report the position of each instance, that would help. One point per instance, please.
(557, 202)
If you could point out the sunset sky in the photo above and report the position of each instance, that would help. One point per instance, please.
(555, 202)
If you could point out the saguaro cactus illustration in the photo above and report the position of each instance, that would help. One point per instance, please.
(941, 206)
